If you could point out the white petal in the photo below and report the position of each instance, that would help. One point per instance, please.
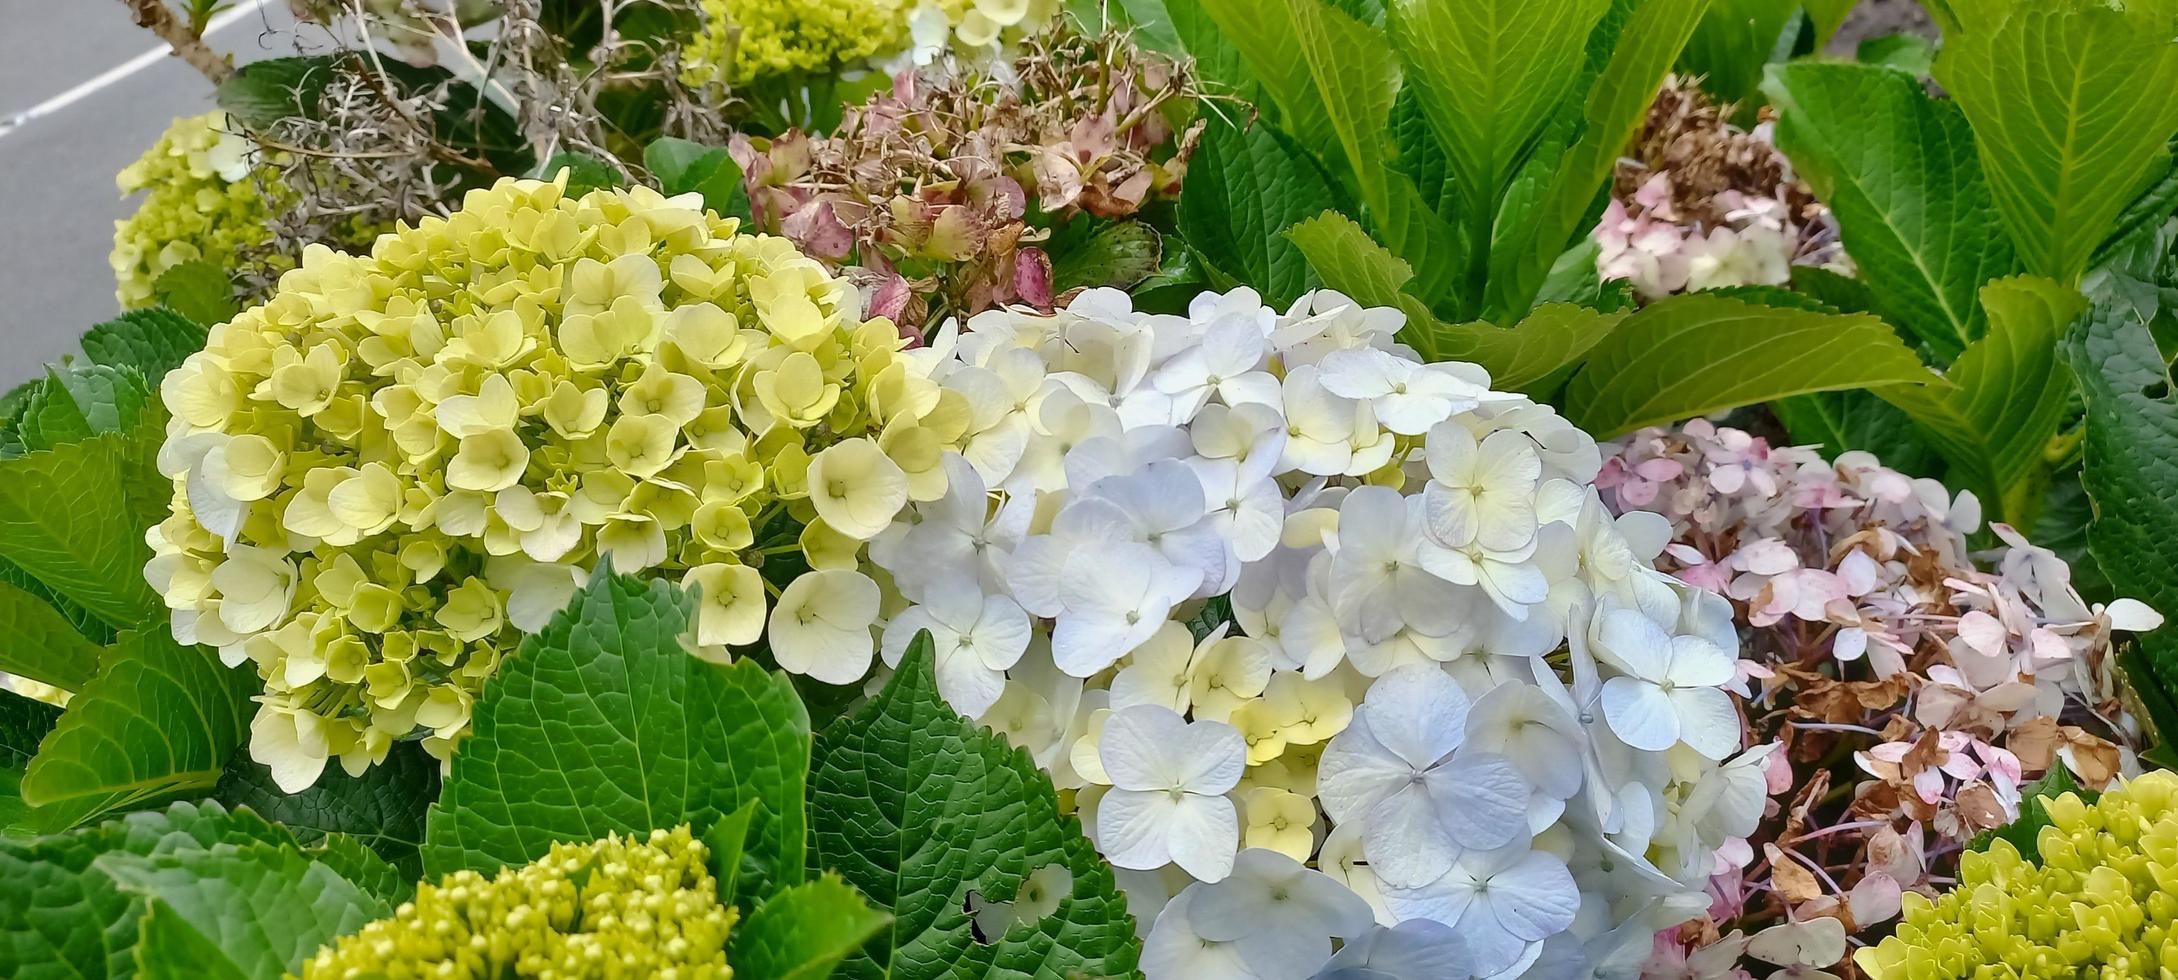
(1406, 840)
(1707, 721)
(1535, 898)
(1640, 713)
(1418, 712)
(1483, 798)
(1202, 832)
(1132, 828)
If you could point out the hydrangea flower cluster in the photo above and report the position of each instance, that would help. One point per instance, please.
(2100, 901)
(400, 462)
(649, 908)
(976, 29)
(1451, 687)
(1701, 204)
(924, 195)
(1873, 631)
(746, 40)
(202, 205)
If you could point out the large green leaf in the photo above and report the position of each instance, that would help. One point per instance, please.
(685, 167)
(154, 341)
(383, 808)
(160, 719)
(1533, 230)
(917, 807)
(1263, 34)
(604, 723)
(1549, 339)
(247, 912)
(74, 519)
(2004, 398)
(1732, 43)
(1244, 187)
(803, 932)
(76, 403)
(1838, 421)
(38, 643)
(2131, 466)
(1697, 354)
(2072, 110)
(1490, 74)
(63, 918)
(1898, 169)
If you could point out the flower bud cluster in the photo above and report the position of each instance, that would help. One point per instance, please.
(202, 205)
(975, 29)
(1450, 687)
(401, 462)
(743, 41)
(619, 907)
(2101, 900)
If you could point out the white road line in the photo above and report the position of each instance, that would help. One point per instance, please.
(10, 124)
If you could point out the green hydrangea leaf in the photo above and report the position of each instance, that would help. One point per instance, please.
(76, 403)
(154, 340)
(38, 643)
(727, 838)
(917, 807)
(262, 93)
(1551, 338)
(803, 932)
(1490, 75)
(1733, 42)
(603, 722)
(61, 917)
(1118, 255)
(1244, 187)
(24, 722)
(159, 720)
(2072, 114)
(352, 859)
(73, 518)
(684, 166)
(585, 173)
(1697, 354)
(384, 808)
(2004, 398)
(198, 290)
(250, 912)
(2131, 464)
(1899, 170)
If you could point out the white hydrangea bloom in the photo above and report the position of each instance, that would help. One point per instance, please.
(1448, 678)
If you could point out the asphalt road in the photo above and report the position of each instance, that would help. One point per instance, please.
(57, 197)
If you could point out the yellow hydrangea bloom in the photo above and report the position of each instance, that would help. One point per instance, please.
(2103, 901)
(202, 204)
(400, 463)
(647, 908)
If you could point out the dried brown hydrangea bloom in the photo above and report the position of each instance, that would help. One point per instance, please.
(939, 194)
(1698, 203)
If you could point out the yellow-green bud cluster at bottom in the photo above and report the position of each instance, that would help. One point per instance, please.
(2102, 903)
(614, 908)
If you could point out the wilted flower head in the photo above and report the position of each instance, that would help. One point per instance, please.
(925, 194)
(1944, 680)
(1700, 203)
(398, 464)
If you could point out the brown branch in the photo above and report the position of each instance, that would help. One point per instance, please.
(152, 15)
